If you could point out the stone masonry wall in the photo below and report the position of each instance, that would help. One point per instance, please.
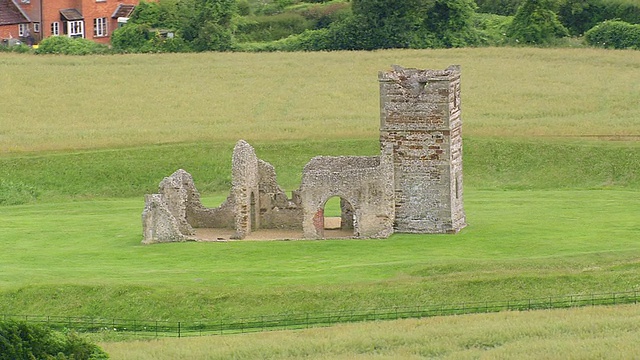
(277, 211)
(366, 183)
(420, 120)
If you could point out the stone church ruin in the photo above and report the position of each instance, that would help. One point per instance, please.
(413, 186)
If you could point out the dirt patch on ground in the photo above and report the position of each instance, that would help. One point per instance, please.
(332, 231)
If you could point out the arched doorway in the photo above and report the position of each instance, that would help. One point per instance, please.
(338, 218)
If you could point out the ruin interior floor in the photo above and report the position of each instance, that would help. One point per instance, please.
(332, 231)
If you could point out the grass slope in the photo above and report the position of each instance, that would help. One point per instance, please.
(70, 103)
(585, 333)
(504, 164)
(85, 258)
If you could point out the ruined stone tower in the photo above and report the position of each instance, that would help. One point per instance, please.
(420, 119)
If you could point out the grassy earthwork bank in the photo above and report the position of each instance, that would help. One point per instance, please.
(552, 185)
(586, 333)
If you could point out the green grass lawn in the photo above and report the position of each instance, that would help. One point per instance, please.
(551, 178)
(84, 258)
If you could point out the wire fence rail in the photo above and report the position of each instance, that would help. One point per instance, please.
(153, 328)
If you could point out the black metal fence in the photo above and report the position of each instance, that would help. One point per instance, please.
(152, 328)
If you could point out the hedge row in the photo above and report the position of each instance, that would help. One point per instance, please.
(614, 35)
(577, 16)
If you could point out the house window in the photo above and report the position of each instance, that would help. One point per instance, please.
(25, 1)
(23, 30)
(100, 27)
(75, 28)
(55, 28)
(36, 27)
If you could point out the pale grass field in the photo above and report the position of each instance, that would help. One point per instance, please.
(581, 333)
(67, 103)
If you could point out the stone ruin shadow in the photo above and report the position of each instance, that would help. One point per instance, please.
(413, 186)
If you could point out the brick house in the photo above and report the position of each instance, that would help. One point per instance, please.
(13, 20)
(33, 20)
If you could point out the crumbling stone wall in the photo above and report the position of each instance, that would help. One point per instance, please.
(364, 185)
(259, 201)
(255, 201)
(414, 186)
(158, 223)
(420, 119)
(244, 180)
(173, 213)
(277, 211)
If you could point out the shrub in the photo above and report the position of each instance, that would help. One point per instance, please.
(270, 28)
(70, 46)
(615, 35)
(21, 48)
(536, 23)
(581, 15)
(324, 15)
(131, 38)
(28, 341)
(491, 28)
(499, 7)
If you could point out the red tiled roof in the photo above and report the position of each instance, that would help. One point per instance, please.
(71, 14)
(10, 13)
(123, 10)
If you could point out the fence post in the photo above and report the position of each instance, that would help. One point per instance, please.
(156, 328)
(179, 334)
(307, 320)
(614, 298)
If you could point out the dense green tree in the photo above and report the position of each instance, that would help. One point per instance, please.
(207, 23)
(380, 24)
(449, 23)
(579, 16)
(199, 25)
(20, 341)
(535, 22)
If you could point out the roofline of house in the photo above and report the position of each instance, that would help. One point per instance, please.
(22, 12)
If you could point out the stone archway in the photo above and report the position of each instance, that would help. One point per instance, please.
(336, 218)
